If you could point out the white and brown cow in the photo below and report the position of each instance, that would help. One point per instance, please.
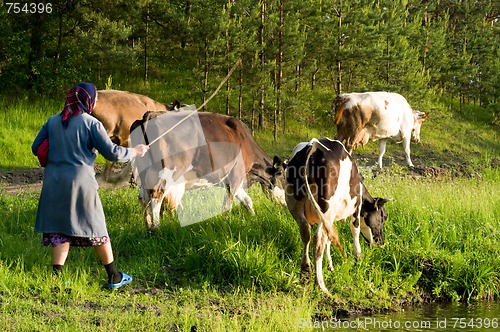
(323, 185)
(361, 117)
(193, 152)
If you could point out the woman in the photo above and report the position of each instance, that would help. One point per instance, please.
(70, 211)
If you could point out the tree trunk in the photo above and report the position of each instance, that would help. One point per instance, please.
(240, 95)
(313, 78)
(339, 49)
(205, 74)
(228, 91)
(388, 64)
(297, 77)
(57, 56)
(35, 49)
(146, 45)
(228, 85)
(426, 27)
(262, 63)
(187, 13)
(277, 109)
(252, 120)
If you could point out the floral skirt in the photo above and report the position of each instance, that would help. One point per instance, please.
(55, 239)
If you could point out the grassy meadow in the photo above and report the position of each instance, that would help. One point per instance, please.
(238, 272)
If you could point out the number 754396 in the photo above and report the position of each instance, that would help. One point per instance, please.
(28, 8)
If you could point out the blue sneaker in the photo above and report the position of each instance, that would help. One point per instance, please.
(126, 279)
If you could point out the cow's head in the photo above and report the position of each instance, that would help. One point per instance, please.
(418, 118)
(276, 172)
(374, 216)
(173, 106)
(178, 106)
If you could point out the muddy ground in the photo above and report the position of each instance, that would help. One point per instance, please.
(22, 180)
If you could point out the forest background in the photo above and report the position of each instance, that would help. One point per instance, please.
(296, 55)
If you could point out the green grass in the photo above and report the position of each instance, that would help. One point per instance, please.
(240, 272)
(21, 121)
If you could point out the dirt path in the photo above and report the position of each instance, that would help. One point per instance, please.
(25, 180)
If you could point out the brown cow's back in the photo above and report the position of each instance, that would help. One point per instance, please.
(199, 151)
(117, 110)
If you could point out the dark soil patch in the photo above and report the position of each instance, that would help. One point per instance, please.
(20, 177)
(439, 169)
(30, 179)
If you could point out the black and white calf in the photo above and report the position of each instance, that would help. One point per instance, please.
(323, 185)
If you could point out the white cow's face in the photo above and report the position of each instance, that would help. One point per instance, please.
(415, 133)
(417, 124)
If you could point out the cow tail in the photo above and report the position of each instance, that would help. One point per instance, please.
(310, 195)
(317, 209)
(314, 147)
(340, 111)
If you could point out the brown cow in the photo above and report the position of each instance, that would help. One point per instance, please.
(204, 151)
(117, 110)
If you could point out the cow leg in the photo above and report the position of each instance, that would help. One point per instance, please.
(355, 230)
(144, 199)
(243, 197)
(228, 199)
(381, 151)
(329, 256)
(333, 237)
(156, 208)
(406, 146)
(320, 240)
(305, 235)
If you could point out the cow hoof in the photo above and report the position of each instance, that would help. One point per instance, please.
(305, 276)
(152, 230)
(324, 290)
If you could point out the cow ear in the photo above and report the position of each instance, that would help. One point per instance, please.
(367, 207)
(424, 115)
(379, 202)
(176, 104)
(276, 161)
(279, 162)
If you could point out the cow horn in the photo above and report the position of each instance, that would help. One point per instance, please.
(379, 202)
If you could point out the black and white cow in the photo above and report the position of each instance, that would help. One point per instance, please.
(322, 185)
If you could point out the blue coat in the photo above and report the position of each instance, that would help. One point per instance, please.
(69, 202)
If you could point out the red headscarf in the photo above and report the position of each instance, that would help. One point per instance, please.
(81, 98)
